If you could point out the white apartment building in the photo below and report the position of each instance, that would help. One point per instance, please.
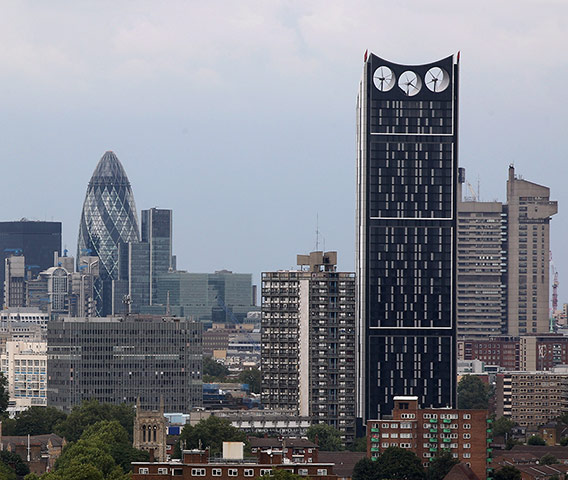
(24, 364)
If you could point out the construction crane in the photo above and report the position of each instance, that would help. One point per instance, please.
(555, 283)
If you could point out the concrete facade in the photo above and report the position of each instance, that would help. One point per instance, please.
(24, 364)
(528, 246)
(117, 360)
(308, 342)
(531, 399)
(481, 271)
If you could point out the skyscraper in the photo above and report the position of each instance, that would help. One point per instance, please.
(157, 232)
(407, 134)
(528, 246)
(36, 241)
(482, 267)
(308, 342)
(108, 218)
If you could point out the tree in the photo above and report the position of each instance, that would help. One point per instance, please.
(399, 464)
(328, 438)
(211, 432)
(112, 433)
(4, 394)
(507, 473)
(15, 462)
(536, 440)
(441, 466)
(503, 427)
(359, 445)
(280, 474)
(91, 412)
(365, 469)
(252, 378)
(7, 473)
(104, 451)
(34, 421)
(564, 441)
(213, 368)
(548, 459)
(472, 393)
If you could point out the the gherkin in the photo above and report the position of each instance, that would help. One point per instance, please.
(108, 218)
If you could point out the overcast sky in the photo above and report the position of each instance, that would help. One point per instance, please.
(240, 116)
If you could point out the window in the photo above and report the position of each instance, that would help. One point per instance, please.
(385, 445)
(322, 471)
(233, 472)
(466, 416)
(466, 445)
(216, 472)
(466, 426)
(385, 425)
(197, 472)
(143, 471)
(266, 471)
(384, 435)
(467, 455)
(302, 471)
(406, 425)
(466, 435)
(162, 471)
(249, 472)
(177, 471)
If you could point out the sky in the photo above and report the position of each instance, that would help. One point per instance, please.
(240, 116)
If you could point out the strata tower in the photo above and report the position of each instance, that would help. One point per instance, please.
(108, 218)
(406, 234)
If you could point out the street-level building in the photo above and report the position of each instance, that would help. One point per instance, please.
(196, 463)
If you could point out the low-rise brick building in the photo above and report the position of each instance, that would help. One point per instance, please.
(196, 465)
(427, 432)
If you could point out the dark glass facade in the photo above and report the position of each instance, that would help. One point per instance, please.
(406, 234)
(108, 218)
(157, 232)
(36, 241)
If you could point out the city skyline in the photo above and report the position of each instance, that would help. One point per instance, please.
(114, 97)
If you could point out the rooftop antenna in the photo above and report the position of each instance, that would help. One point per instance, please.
(317, 232)
(478, 189)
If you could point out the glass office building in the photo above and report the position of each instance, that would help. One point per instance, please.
(35, 241)
(108, 218)
(407, 133)
(157, 232)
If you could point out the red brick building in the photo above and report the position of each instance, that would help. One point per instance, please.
(196, 465)
(526, 353)
(293, 449)
(502, 351)
(466, 434)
